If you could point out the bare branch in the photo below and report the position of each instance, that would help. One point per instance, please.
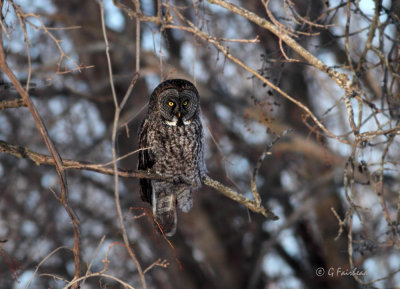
(54, 153)
(340, 78)
(193, 29)
(228, 192)
(41, 159)
(15, 103)
(41, 263)
(266, 151)
(138, 15)
(118, 108)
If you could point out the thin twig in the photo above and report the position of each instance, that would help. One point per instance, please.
(342, 223)
(137, 10)
(113, 143)
(266, 151)
(43, 27)
(54, 153)
(380, 191)
(158, 263)
(41, 262)
(92, 275)
(93, 258)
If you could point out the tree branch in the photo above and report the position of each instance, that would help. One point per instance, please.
(340, 78)
(41, 159)
(49, 144)
(15, 103)
(196, 31)
(118, 107)
(228, 192)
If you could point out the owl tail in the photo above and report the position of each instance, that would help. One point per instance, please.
(165, 212)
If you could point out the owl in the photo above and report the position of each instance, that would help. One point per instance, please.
(171, 139)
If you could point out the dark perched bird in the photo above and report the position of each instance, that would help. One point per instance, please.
(172, 138)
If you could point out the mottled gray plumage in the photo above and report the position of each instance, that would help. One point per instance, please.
(173, 133)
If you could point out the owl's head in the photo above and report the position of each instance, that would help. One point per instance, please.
(177, 100)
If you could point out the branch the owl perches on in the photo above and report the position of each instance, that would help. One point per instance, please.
(42, 159)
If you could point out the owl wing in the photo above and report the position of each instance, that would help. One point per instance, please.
(146, 161)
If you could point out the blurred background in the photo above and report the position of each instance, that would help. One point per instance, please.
(338, 203)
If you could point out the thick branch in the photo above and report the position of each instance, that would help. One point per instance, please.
(41, 159)
(340, 78)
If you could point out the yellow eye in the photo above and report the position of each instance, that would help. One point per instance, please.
(185, 102)
(171, 103)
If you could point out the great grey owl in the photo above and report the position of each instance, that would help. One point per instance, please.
(171, 137)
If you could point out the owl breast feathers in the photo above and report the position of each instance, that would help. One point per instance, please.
(171, 137)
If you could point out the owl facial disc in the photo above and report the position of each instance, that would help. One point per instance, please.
(178, 106)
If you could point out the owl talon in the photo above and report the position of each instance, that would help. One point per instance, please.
(176, 180)
(181, 180)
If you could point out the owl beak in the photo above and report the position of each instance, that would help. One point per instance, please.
(179, 115)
